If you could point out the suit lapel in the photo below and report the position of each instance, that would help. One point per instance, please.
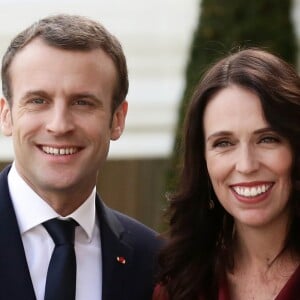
(116, 254)
(14, 273)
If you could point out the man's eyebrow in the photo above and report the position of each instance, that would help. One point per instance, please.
(31, 93)
(44, 94)
(86, 95)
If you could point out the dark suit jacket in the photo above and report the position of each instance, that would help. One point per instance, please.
(121, 236)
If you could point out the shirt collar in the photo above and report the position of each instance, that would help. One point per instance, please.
(31, 210)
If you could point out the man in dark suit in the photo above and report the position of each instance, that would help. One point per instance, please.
(64, 82)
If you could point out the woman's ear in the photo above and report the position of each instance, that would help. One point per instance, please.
(5, 117)
(118, 121)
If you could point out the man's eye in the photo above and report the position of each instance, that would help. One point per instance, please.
(38, 101)
(82, 102)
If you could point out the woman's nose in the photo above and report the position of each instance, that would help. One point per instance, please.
(247, 161)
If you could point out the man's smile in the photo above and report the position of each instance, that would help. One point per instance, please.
(60, 150)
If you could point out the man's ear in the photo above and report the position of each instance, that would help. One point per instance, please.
(5, 117)
(118, 120)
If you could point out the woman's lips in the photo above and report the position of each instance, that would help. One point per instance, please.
(252, 192)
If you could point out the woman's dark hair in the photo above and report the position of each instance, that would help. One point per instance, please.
(200, 237)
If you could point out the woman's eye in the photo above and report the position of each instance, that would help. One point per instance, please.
(221, 144)
(269, 140)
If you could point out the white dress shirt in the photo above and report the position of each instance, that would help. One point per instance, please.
(31, 212)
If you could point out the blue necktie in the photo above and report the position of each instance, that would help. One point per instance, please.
(61, 275)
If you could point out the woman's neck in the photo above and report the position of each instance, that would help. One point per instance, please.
(260, 247)
(262, 264)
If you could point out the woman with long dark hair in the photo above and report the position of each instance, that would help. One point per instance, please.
(235, 218)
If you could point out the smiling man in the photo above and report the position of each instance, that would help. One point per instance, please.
(64, 82)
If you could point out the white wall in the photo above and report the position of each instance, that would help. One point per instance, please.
(156, 36)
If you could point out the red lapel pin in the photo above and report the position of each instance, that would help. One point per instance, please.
(121, 260)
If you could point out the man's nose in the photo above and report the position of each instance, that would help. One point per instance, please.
(60, 120)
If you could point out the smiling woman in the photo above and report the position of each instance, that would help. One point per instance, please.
(249, 164)
(235, 219)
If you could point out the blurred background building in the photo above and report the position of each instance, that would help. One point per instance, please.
(156, 36)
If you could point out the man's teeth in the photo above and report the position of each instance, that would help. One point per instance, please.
(59, 151)
(251, 191)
